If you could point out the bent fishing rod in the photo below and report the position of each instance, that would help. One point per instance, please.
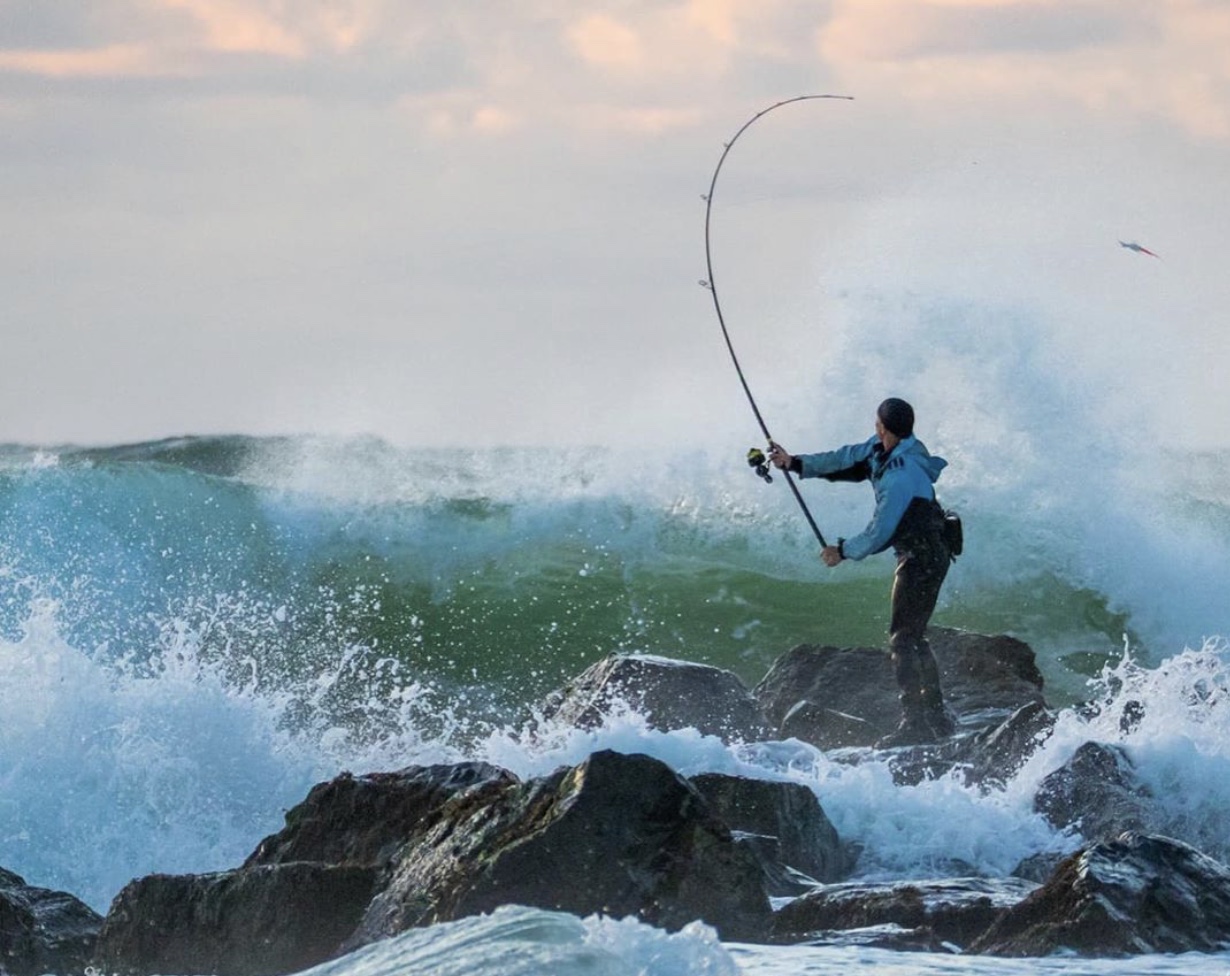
(755, 457)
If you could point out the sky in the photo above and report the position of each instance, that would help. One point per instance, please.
(474, 222)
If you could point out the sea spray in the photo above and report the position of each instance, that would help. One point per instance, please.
(114, 768)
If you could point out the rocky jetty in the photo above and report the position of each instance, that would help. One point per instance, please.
(362, 858)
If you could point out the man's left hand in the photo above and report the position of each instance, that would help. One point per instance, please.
(831, 555)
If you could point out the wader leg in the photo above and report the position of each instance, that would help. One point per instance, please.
(916, 588)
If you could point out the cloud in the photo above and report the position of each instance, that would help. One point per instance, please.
(117, 60)
(238, 26)
(604, 42)
(904, 30)
(1160, 59)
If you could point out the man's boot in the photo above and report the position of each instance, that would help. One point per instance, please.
(914, 728)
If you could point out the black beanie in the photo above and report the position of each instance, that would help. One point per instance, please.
(897, 416)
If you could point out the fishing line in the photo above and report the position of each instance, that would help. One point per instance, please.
(755, 457)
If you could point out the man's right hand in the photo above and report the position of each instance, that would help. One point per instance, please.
(781, 460)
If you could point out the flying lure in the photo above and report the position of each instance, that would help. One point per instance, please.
(1133, 246)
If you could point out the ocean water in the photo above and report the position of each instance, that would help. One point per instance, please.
(195, 631)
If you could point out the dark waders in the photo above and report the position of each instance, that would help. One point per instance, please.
(922, 565)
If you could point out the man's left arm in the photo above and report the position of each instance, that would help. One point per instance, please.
(891, 502)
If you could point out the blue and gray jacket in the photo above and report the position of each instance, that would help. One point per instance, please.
(903, 478)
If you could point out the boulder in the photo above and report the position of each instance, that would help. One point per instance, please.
(670, 694)
(1096, 791)
(810, 722)
(257, 921)
(1139, 893)
(620, 835)
(363, 820)
(985, 677)
(834, 697)
(894, 938)
(43, 931)
(830, 697)
(805, 839)
(993, 756)
(954, 911)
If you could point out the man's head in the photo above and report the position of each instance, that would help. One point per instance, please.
(896, 417)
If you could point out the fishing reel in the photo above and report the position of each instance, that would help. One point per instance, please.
(759, 463)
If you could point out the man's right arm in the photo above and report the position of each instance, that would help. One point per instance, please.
(847, 463)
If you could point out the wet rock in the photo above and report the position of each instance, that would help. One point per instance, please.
(838, 697)
(987, 757)
(810, 722)
(43, 931)
(985, 677)
(1038, 868)
(954, 911)
(892, 937)
(806, 841)
(617, 834)
(364, 820)
(258, 921)
(780, 879)
(834, 697)
(992, 757)
(1140, 893)
(1095, 791)
(670, 694)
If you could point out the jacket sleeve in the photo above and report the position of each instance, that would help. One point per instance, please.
(834, 464)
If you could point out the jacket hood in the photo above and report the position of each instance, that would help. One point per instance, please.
(915, 452)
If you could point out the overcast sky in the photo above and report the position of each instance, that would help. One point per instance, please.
(480, 221)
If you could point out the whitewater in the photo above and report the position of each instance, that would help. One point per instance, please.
(195, 631)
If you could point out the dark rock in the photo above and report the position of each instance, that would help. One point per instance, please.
(810, 722)
(985, 678)
(1095, 791)
(780, 880)
(834, 696)
(621, 835)
(842, 697)
(670, 694)
(987, 757)
(992, 757)
(955, 911)
(891, 937)
(363, 820)
(806, 839)
(1139, 893)
(1038, 868)
(257, 921)
(43, 931)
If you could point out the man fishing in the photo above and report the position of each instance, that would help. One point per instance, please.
(908, 518)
